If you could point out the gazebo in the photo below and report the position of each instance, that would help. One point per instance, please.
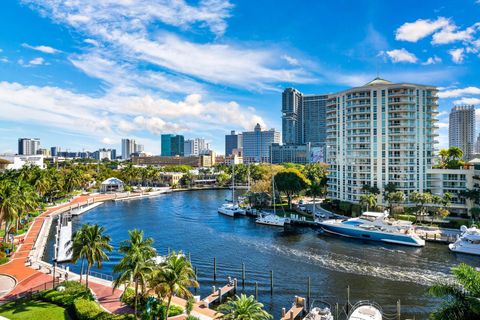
(112, 185)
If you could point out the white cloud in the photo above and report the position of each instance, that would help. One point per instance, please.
(414, 31)
(4, 60)
(455, 93)
(458, 55)
(442, 124)
(401, 55)
(467, 101)
(432, 60)
(451, 34)
(124, 29)
(37, 61)
(44, 49)
(107, 140)
(114, 114)
(92, 42)
(290, 60)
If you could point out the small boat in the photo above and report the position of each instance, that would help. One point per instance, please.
(272, 220)
(374, 226)
(468, 242)
(319, 312)
(365, 310)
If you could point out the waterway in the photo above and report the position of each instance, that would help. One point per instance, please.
(189, 221)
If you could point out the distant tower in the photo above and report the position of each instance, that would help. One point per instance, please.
(461, 131)
(28, 146)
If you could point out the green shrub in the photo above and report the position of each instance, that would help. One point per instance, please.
(3, 257)
(73, 290)
(90, 310)
(192, 318)
(128, 297)
(175, 311)
(345, 206)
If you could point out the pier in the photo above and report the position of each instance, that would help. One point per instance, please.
(217, 295)
(63, 237)
(84, 208)
(298, 308)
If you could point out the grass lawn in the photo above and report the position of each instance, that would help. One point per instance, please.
(33, 310)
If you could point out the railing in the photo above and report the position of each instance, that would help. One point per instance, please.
(30, 292)
(100, 275)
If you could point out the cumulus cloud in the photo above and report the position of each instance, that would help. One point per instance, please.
(401, 55)
(455, 93)
(107, 140)
(450, 33)
(42, 48)
(458, 55)
(115, 114)
(467, 101)
(432, 60)
(414, 31)
(290, 60)
(37, 61)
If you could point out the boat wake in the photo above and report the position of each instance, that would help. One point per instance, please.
(418, 273)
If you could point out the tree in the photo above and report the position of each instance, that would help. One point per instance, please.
(243, 308)
(455, 153)
(97, 244)
(173, 277)
(223, 179)
(444, 155)
(368, 200)
(420, 199)
(475, 212)
(393, 198)
(136, 263)
(78, 246)
(316, 189)
(291, 182)
(462, 297)
(316, 172)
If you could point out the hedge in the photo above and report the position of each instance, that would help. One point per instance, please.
(88, 310)
(73, 290)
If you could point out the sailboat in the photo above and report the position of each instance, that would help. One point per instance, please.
(270, 219)
(230, 207)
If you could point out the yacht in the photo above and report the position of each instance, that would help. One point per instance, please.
(230, 207)
(272, 220)
(365, 310)
(467, 242)
(374, 226)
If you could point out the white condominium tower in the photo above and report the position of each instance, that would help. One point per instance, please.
(380, 133)
(461, 129)
(128, 147)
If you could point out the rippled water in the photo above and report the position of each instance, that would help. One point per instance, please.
(189, 221)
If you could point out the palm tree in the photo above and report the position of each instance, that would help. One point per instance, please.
(174, 277)
(97, 243)
(243, 308)
(10, 204)
(136, 262)
(444, 156)
(393, 198)
(455, 153)
(316, 189)
(78, 246)
(368, 200)
(462, 297)
(420, 199)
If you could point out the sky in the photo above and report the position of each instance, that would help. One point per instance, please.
(82, 74)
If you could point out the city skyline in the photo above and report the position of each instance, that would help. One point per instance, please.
(80, 79)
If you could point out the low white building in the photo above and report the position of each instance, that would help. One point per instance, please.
(112, 185)
(18, 161)
(454, 181)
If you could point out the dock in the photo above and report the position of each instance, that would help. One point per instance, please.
(63, 237)
(84, 208)
(298, 308)
(217, 295)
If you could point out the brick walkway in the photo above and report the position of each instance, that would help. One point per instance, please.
(27, 278)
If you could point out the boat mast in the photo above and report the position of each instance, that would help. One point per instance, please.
(233, 182)
(273, 182)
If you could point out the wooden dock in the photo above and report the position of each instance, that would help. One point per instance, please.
(296, 310)
(218, 294)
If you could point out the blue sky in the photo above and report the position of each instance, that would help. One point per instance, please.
(82, 74)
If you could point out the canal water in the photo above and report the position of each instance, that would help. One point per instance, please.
(189, 221)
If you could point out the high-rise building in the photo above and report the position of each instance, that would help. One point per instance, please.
(295, 153)
(195, 147)
(139, 148)
(28, 146)
(103, 154)
(233, 141)
(461, 129)
(292, 132)
(128, 147)
(477, 145)
(380, 133)
(314, 119)
(54, 151)
(172, 145)
(257, 143)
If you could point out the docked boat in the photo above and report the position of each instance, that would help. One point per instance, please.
(231, 207)
(319, 313)
(374, 226)
(272, 220)
(468, 242)
(365, 310)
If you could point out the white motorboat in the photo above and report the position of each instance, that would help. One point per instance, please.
(319, 312)
(272, 220)
(365, 310)
(468, 242)
(374, 226)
